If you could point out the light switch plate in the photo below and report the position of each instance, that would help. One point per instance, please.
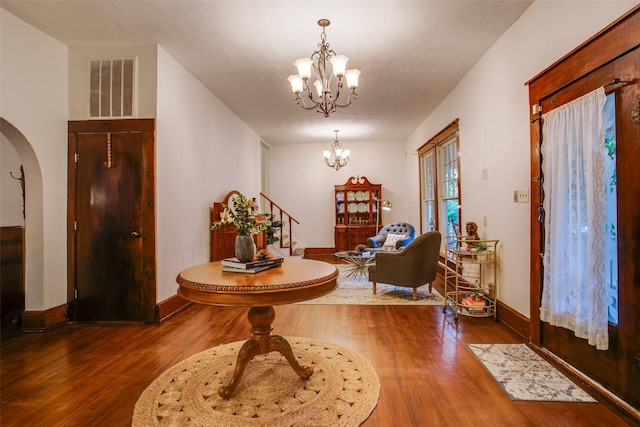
(523, 196)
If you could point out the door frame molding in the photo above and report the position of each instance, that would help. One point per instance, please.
(147, 127)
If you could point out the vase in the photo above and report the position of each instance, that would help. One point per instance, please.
(245, 248)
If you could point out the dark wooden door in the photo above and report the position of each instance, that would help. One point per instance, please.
(110, 228)
(617, 368)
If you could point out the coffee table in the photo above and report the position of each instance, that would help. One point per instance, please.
(357, 263)
(294, 280)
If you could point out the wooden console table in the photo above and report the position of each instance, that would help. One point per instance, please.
(294, 281)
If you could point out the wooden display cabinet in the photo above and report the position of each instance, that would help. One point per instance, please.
(357, 212)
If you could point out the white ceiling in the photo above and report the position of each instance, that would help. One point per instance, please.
(411, 53)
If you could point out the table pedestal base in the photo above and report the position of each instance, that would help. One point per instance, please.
(262, 342)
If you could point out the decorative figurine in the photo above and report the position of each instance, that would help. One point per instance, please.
(472, 231)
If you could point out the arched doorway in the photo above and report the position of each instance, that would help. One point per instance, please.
(33, 218)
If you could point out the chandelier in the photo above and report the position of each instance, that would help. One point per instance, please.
(337, 157)
(326, 100)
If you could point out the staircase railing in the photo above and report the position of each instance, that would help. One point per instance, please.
(274, 206)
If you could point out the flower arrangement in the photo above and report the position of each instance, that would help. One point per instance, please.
(240, 217)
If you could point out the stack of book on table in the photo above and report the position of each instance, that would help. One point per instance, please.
(232, 265)
(474, 304)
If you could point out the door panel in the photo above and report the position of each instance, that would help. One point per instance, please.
(616, 368)
(109, 244)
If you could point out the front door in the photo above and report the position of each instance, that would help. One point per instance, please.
(110, 229)
(618, 368)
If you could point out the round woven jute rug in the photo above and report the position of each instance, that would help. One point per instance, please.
(342, 391)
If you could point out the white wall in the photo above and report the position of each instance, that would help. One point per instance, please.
(10, 189)
(203, 151)
(79, 77)
(304, 186)
(34, 92)
(491, 102)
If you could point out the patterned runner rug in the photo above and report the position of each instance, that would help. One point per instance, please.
(524, 375)
(342, 391)
(357, 290)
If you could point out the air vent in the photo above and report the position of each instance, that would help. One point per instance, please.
(112, 83)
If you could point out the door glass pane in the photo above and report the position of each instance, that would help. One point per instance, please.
(611, 243)
(450, 215)
(428, 193)
(452, 218)
(450, 168)
(429, 214)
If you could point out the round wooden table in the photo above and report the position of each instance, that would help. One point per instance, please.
(293, 281)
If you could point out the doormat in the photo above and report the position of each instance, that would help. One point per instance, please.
(524, 375)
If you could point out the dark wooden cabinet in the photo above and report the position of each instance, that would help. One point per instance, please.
(12, 270)
(357, 212)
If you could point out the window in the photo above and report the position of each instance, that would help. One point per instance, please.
(440, 183)
(611, 207)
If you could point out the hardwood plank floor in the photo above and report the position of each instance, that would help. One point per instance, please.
(93, 374)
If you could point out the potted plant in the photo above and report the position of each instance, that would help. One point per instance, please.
(239, 216)
(272, 228)
(479, 247)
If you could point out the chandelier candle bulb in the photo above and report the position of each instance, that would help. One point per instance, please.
(296, 83)
(339, 64)
(304, 67)
(352, 78)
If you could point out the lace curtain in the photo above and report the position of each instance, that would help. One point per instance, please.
(574, 287)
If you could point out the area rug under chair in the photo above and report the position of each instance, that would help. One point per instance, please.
(359, 291)
(342, 391)
(524, 375)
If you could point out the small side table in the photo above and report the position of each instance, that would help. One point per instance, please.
(357, 264)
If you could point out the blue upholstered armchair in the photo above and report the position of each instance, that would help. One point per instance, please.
(398, 228)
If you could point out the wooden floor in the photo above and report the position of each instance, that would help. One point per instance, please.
(93, 374)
